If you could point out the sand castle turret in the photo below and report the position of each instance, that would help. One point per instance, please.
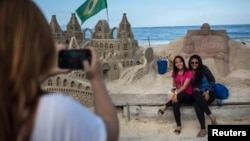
(125, 28)
(102, 30)
(56, 30)
(73, 30)
(73, 24)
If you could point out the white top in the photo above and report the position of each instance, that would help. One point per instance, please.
(61, 118)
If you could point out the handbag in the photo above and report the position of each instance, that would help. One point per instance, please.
(221, 93)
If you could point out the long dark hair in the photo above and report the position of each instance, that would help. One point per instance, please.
(175, 69)
(27, 52)
(199, 71)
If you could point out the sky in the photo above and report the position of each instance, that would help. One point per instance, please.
(152, 13)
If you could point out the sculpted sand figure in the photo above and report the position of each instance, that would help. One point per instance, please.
(208, 44)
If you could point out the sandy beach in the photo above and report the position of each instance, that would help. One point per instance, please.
(238, 82)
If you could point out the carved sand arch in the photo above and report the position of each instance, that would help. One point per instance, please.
(112, 31)
(84, 33)
(106, 69)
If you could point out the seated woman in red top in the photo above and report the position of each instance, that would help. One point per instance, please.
(182, 90)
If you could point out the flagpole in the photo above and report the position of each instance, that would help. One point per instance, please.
(107, 14)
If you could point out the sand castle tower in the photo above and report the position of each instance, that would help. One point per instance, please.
(117, 53)
(73, 30)
(56, 30)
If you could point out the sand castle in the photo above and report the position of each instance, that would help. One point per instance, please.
(116, 54)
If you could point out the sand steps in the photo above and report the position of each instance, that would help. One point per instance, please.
(160, 99)
(146, 105)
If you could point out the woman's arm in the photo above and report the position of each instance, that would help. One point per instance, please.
(187, 76)
(210, 77)
(102, 102)
(173, 83)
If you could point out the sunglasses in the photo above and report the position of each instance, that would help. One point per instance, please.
(194, 63)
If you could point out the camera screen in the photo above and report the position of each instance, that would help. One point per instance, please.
(73, 59)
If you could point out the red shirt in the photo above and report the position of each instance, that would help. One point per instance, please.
(180, 79)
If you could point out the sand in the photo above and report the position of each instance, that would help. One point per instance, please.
(153, 82)
(238, 81)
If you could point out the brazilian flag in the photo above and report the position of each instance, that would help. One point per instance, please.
(89, 8)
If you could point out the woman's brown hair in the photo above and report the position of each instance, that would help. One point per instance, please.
(27, 52)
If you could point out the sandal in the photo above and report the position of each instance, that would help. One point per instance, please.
(202, 133)
(160, 111)
(177, 130)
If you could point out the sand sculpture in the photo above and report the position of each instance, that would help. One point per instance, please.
(123, 59)
(117, 54)
(209, 44)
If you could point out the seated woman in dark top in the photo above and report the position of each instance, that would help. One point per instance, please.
(203, 81)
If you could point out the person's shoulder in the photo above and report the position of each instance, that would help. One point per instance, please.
(66, 108)
(205, 67)
(61, 99)
(63, 113)
(188, 71)
(55, 97)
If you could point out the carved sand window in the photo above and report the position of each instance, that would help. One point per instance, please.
(50, 82)
(72, 84)
(104, 54)
(125, 55)
(125, 47)
(80, 86)
(99, 28)
(65, 82)
(58, 81)
(87, 88)
(115, 67)
(106, 46)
